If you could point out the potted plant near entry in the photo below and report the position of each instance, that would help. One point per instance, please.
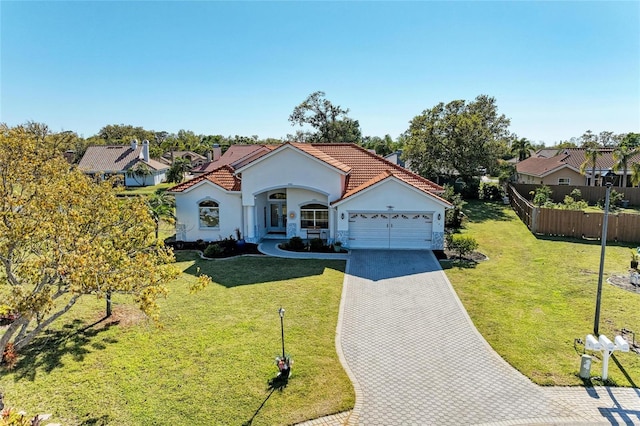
(634, 259)
(337, 246)
(239, 241)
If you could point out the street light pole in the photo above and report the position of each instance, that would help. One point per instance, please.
(603, 245)
(281, 312)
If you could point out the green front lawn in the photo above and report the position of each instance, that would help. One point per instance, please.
(209, 363)
(535, 296)
(147, 190)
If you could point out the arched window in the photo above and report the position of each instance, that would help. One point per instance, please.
(314, 216)
(278, 196)
(209, 214)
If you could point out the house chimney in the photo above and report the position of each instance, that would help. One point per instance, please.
(145, 150)
(217, 152)
(134, 144)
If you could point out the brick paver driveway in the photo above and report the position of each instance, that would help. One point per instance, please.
(416, 358)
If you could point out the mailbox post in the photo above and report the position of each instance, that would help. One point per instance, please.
(607, 347)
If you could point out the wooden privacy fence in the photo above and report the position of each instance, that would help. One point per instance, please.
(590, 194)
(622, 227)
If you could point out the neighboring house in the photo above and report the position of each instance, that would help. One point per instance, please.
(395, 158)
(195, 159)
(231, 155)
(103, 161)
(563, 168)
(549, 171)
(338, 192)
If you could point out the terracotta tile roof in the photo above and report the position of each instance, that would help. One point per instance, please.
(114, 158)
(264, 150)
(234, 154)
(379, 178)
(224, 177)
(312, 150)
(365, 166)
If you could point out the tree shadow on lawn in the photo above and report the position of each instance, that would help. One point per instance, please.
(480, 211)
(46, 350)
(255, 270)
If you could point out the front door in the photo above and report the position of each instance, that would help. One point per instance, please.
(277, 216)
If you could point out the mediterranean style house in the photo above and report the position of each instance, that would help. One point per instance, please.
(337, 192)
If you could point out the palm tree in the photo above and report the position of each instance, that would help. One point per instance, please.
(635, 174)
(591, 159)
(621, 156)
(141, 170)
(521, 148)
(178, 169)
(161, 206)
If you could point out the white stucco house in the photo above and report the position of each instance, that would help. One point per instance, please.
(338, 192)
(103, 161)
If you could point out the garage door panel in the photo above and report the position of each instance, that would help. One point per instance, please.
(369, 230)
(390, 230)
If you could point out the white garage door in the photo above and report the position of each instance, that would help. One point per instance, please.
(406, 230)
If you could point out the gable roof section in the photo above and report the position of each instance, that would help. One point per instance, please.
(114, 158)
(308, 150)
(541, 166)
(223, 177)
(385, 175)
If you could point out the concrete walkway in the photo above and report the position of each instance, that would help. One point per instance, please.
(415, 357)
(270, 247)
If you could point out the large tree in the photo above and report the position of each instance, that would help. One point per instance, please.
(63, 237)
(330, 121)
(458, 138)
(630, 140)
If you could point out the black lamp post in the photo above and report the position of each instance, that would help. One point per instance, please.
(281, 312)
(603, 245)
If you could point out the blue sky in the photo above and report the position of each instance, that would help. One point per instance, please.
(556, 69)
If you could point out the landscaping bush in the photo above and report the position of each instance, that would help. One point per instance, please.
(316, 245)
(462, 244)
(469, 189)
(228, 245)
(295, 244)
(214, 250)
(615, 200)
(490, 191)
(542, 196)
(453, 217)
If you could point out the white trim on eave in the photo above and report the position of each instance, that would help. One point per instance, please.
(203, 182)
